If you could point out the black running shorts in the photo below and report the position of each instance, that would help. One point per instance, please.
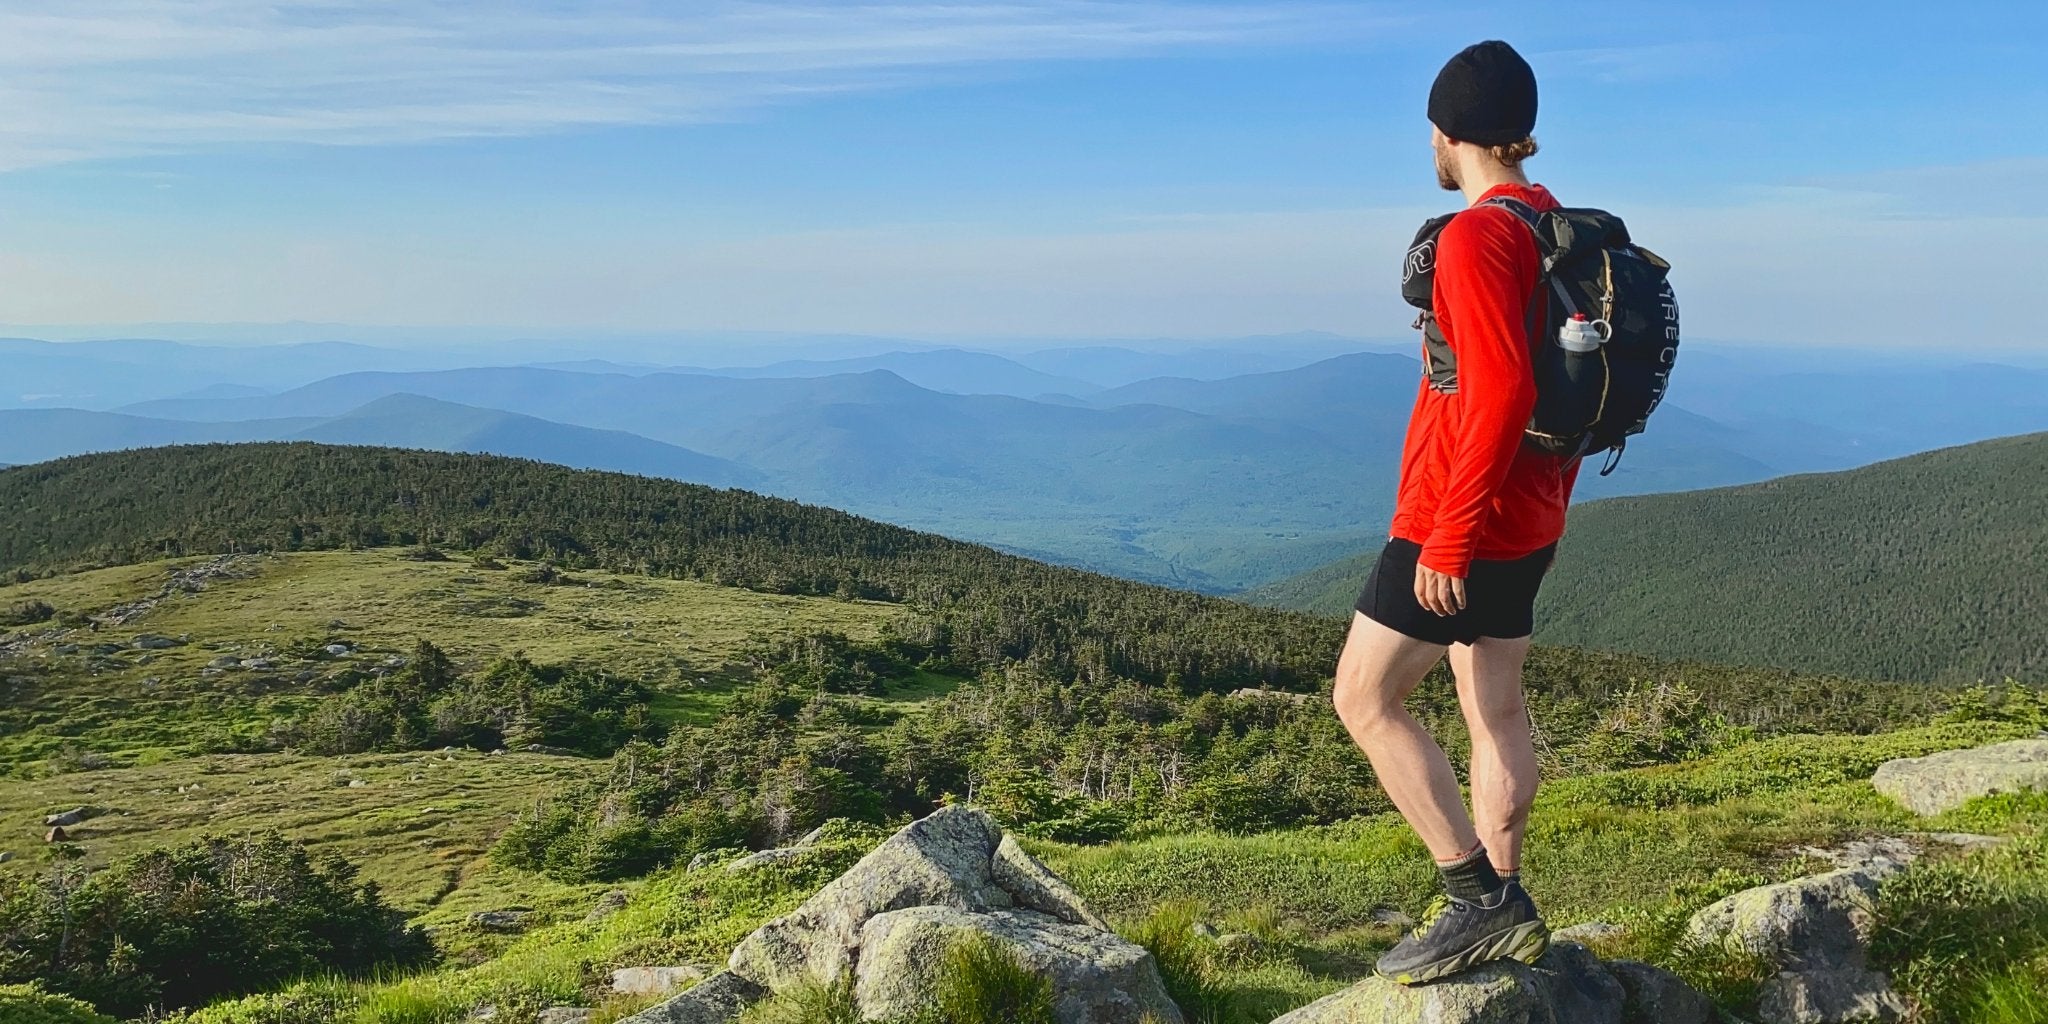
(1500, 596)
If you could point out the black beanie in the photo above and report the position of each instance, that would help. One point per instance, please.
(1485, 95)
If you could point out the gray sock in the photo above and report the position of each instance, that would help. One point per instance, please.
(1471, 878)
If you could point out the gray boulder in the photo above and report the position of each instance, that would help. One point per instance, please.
(608, 904)
(718, 999)
(1937, 782)
(887, 922)
(764, 858)
(1567, 986)
(1097, 977)
(1032, 886)
(1827, 995)
(1815, 921)
(1587, 933)
(1653, 995)
(66, 819)
(941, 861)
(705, 859)
(656, 981)
(1816, 931)
(511, 920)
(563, 1015)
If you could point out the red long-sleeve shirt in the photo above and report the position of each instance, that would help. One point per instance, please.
(1469, 487)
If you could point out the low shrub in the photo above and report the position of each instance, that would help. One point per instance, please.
(29, 1004)
(178, 927)
(26, 613)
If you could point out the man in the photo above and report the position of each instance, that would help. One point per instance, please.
(1477, 520)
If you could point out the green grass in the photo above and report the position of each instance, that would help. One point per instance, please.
(1968, 938)
(1965, 932)
(419, 826)
(686, 639)
(675, 917)
(1677, 838)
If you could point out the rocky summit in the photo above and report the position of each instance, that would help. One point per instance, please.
(883, 929)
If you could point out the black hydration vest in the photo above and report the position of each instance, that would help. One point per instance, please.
(1585, 401)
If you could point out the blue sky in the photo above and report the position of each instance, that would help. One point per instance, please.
(1819, 173)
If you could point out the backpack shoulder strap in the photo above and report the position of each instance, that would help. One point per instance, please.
(1523, 211)
(1529, 216)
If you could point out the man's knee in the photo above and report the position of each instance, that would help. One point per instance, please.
(1364, 698)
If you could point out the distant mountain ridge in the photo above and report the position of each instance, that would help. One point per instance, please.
(1202, 478)
(1921, 568)
(399, 420)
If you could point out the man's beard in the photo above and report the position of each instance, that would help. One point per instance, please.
(1446, 171)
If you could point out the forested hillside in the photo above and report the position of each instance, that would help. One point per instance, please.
(1923, 568)
(156, 503)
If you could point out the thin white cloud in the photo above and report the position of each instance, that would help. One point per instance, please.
(96, 78)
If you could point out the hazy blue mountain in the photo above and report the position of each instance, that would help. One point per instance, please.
(110, 374)
(1116, 365)
(410, 421)
(1144, 490)
(1361, 400)
(1882, 407)
(1215, 484)
(407, 421)
(219, 391)
(956, 370)
(35, 435)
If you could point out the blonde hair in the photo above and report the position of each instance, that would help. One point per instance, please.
(1512, 154)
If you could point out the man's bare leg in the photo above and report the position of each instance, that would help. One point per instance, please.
(1504, 772)
(1379, 668)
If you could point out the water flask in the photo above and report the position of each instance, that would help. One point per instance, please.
(1579, 334)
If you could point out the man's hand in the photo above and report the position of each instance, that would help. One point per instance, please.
(1444, 595)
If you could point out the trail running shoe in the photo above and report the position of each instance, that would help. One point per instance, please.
(1455, 935)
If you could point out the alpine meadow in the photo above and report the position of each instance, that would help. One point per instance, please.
(1022, 512)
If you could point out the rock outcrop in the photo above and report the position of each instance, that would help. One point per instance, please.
(716, 1000)
(1938, 782)
(1815, 931)
(887, 923)
(1097, 977)
(655, 981)
(66, 819)
(1567, 986)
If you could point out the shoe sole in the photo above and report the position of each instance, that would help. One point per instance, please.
(1526, 942)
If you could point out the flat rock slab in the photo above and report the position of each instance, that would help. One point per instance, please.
(1938, 782)
(1567, 986)
(719, 999)
(655, 981)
